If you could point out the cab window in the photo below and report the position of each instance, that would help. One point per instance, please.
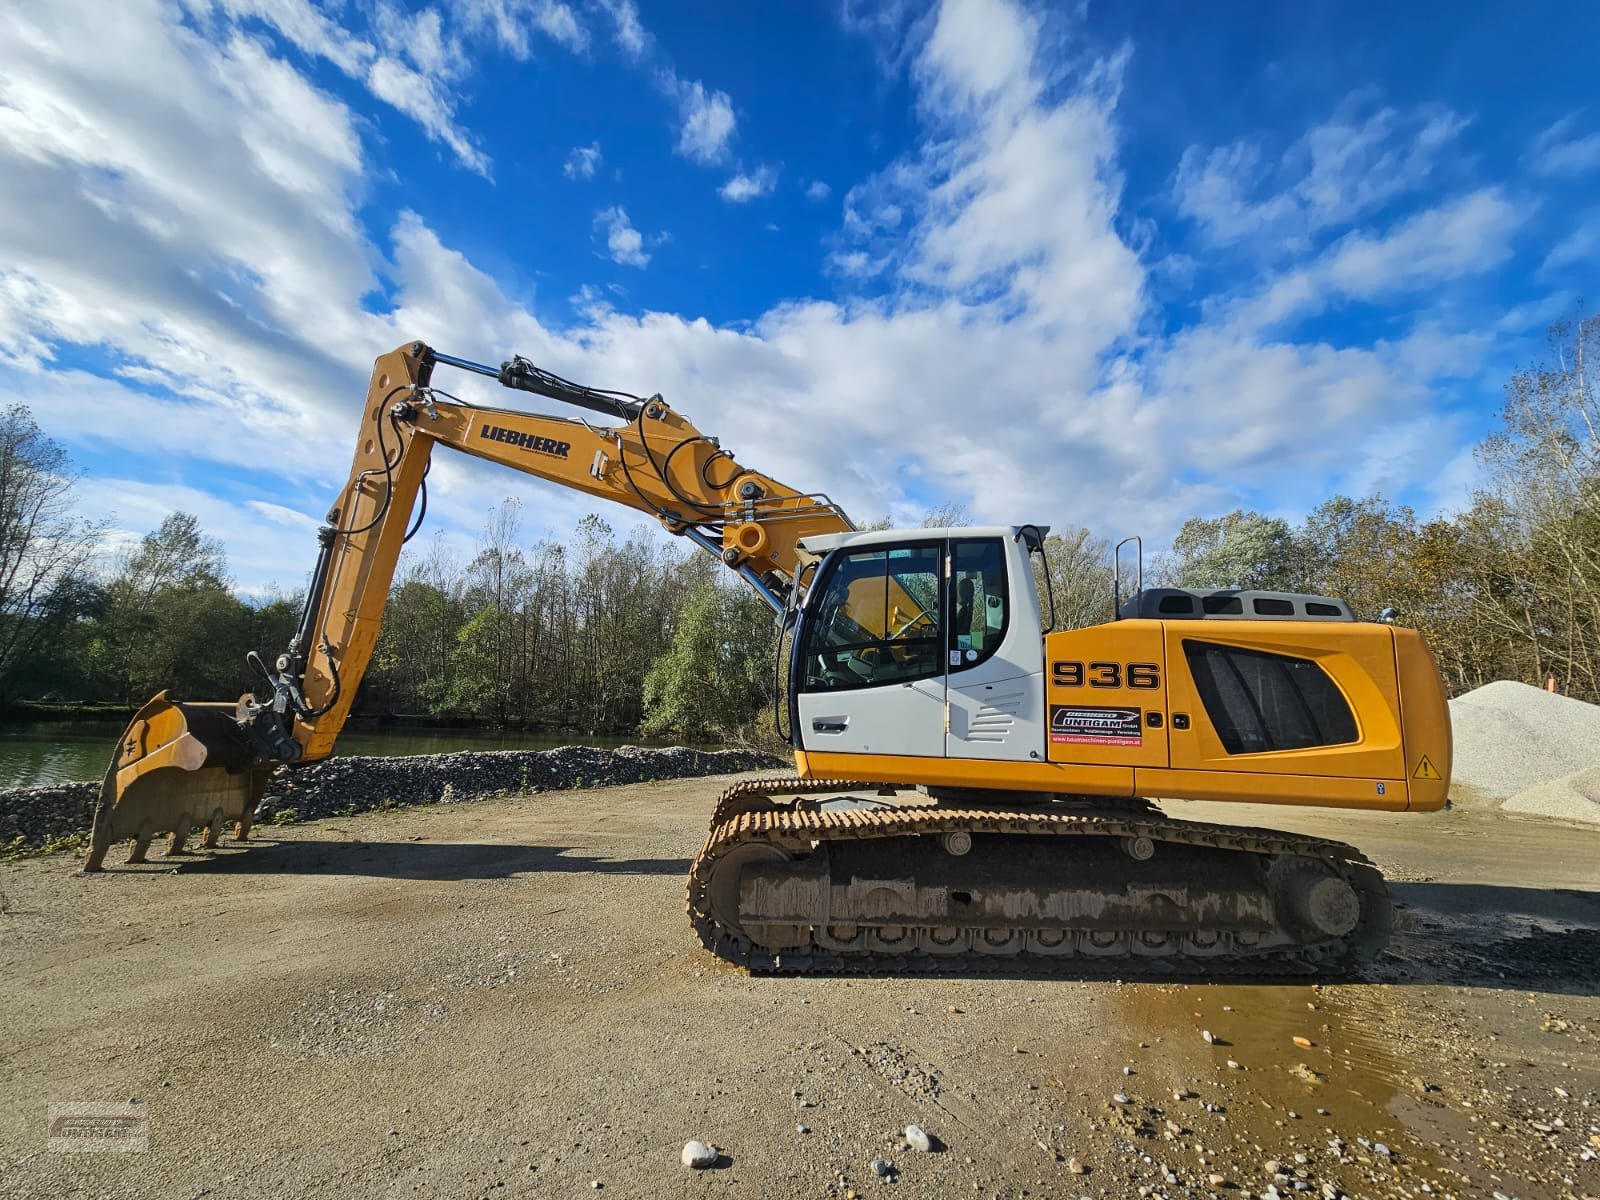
(978, 609)
(877, 621)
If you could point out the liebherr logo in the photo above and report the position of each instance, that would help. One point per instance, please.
(528, 441)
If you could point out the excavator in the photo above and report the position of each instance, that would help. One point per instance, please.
(973, 789)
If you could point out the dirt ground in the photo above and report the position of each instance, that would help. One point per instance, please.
(504, 998)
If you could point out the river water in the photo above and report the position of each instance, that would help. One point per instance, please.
(40, 753)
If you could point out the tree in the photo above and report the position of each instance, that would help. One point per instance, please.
(715, 677)
(491, 665)
(171, 619)
(1080, 579)
(1544, 499)
(44, 548)
(1239, 550)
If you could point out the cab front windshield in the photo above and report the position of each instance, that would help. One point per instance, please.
(878, 620)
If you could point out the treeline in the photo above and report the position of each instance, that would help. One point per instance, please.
(627, 634)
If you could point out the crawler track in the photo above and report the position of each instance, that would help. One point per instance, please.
(776, 827)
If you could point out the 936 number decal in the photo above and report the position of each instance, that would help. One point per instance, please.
(1139, 675)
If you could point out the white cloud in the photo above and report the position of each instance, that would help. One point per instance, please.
(278, 514)
(1554, 152)
(630, 35)
(708, 121)
(624, 243)
(510, 22)
(743, 188)
(427, 103)
(1465, 236)
(857, 264)
(1582, 245)
(1337, 171)
(817, 190)
(583, 162)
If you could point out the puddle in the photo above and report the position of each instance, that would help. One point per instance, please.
(1257, 1094)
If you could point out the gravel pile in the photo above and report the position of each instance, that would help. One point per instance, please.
(1510, 737)
(359, 784)
(1571, 798)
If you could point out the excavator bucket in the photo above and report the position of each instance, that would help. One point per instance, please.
(178, 768)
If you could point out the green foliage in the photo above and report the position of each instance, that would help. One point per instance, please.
(19, 848)
(1080, 580)
(285, 816)
(1239, 550)
(715, 677)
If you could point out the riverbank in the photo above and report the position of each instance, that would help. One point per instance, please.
(36, 818)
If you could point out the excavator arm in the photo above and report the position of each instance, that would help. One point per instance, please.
(182, 767)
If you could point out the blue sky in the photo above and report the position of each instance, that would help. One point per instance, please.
(1108, 265)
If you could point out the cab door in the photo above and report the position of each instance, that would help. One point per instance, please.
(995, 686)
(870, 672)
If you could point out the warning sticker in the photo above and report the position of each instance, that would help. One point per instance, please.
(1090, 726)
(1425, 770)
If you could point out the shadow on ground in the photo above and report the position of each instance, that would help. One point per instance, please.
(418, 860)
(1484, 935)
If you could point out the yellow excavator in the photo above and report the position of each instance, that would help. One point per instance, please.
(970, 789)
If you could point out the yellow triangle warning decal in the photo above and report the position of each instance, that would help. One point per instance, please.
(1425, 770)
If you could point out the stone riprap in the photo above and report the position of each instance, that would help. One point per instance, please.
(360, 784)
(339, 785)
(43, 814)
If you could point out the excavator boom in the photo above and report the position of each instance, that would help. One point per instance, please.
(183, 767)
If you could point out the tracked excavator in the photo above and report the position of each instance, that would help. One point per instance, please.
(972, 789)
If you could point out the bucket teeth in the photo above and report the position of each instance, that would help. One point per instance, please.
(178, 768)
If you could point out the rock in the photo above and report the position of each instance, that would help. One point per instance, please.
(1208, 1037)
(1272, 1166)
(1304, 1043)
(882, 1169)
(1122, 1098)
(1076, 1167)
(1234, 1066)
(698, 1154)
(1380, 1148)
(802, 1129)
(917, 1138)
(1127, 1070)
(1216, 1180)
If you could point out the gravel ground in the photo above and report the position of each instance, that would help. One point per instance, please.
(504, 999)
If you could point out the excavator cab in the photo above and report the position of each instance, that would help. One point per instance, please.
(900, 628)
